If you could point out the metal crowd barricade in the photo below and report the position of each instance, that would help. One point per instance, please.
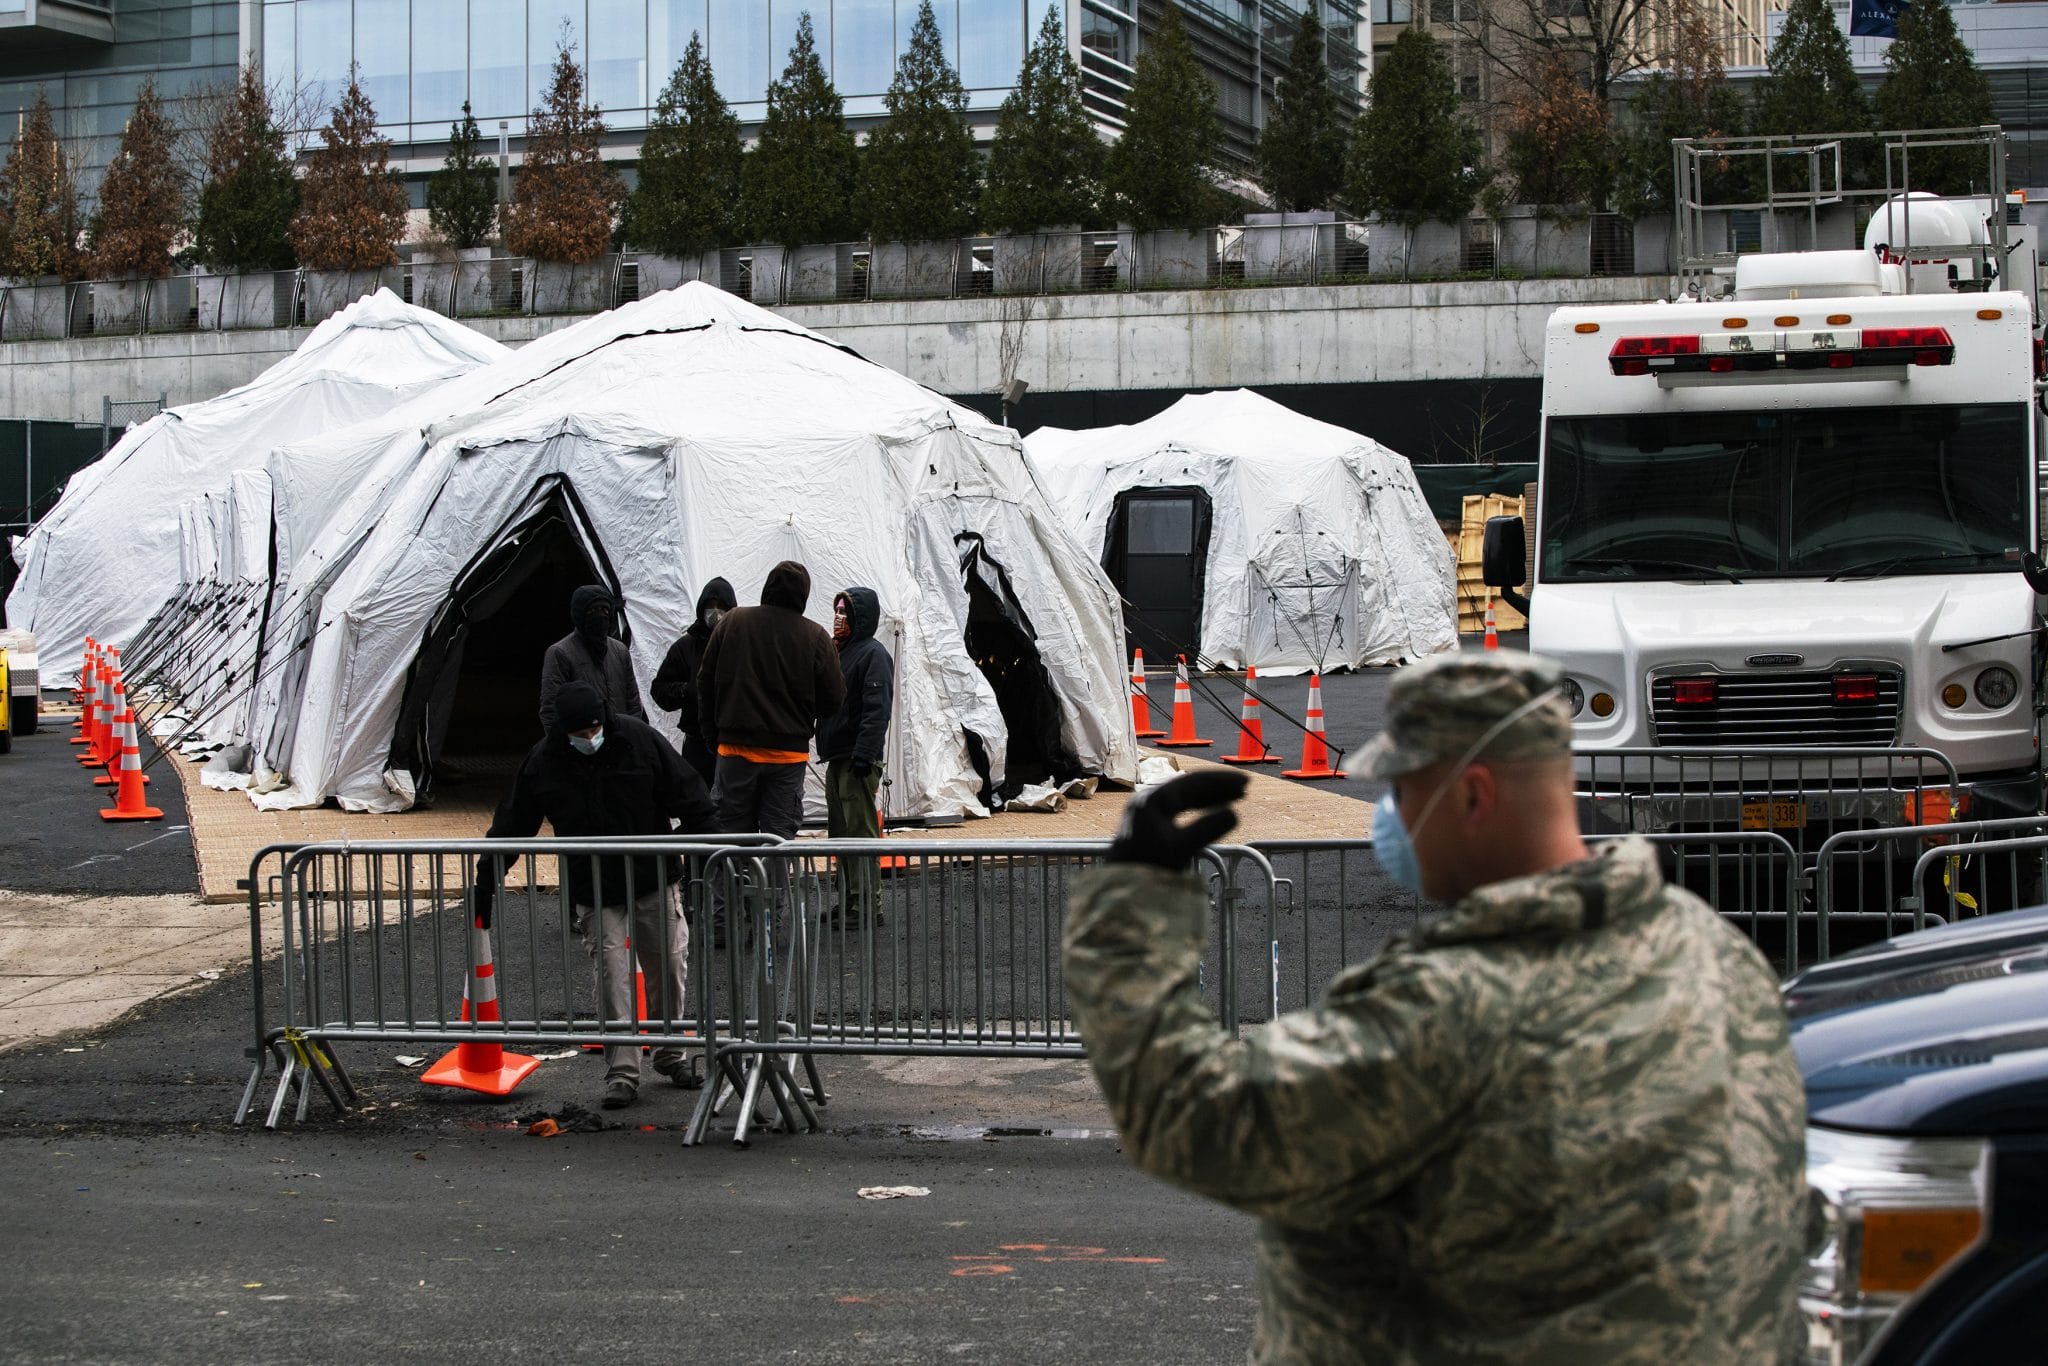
(1864, 871)
(375, 948)
(957, 954)
(2023, 849)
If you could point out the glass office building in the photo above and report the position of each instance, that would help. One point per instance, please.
(421, 59)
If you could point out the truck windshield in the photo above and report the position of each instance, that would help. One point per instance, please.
(1797, 493)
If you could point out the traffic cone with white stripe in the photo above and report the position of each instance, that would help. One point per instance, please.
(1251, 730)
(1492, 636)
(1141, 704)
(1183, 736)
(1315, 752)
(104, 748)
(124, 735)
(129, 803)
(484, 1067)
(85, 694)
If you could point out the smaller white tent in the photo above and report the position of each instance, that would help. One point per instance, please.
(1319, 551)
(111, 552)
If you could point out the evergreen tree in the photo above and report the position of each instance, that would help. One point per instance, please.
(1301, 150)
(566, 195)
(351, 207)
(142, 198)
(1560, 145)
(249, 195)
(462, 197)
(1691, 99)
(1812, 87)
(1045, 166)
(688, 197)
(1413, 158)
(1160, 173)
(918, 175)
(1930, 82)
(798, 183)
(38, 205)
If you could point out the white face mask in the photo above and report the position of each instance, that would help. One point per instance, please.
(587, 744)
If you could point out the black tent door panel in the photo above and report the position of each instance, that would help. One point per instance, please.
(1157, 556)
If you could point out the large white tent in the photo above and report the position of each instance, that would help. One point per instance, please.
(687, 436)
(1308, 546)
(109, 554)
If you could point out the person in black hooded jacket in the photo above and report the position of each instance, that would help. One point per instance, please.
(852, 742)
(597, 774)
(591, 654)
(675, 682)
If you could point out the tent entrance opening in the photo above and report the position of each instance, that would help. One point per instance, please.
(472, 700)
(1003, 644)
(1157, 556)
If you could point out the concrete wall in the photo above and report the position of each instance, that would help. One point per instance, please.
(1153, 340)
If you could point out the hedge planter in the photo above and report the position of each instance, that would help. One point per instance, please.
(263, 299)
(1040, 262)
(436, 279)
(1290, 246)
(33, 309)
(1168, 257)
(121, 306)
(914, 270)
(571, 286)
(657, 273)
(326, 292)
(800, 275)
(495, 285)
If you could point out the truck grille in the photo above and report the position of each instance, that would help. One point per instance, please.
(1777, 709)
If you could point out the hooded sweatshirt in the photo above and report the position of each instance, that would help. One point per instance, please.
(860, 729)
(769, 674)
(675, 683)
(588, 656)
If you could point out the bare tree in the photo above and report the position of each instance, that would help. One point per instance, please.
(1600, 40)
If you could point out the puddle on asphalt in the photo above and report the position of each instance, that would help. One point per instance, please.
(976, 1133)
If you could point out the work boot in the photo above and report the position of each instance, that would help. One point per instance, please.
(619, 1093)
(679, 1072)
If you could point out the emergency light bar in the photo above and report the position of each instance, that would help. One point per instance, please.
(1723, 353)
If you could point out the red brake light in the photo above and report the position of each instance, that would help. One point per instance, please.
(1855, 687)
(1635, 355)
(1929, 345)
(1693, 692)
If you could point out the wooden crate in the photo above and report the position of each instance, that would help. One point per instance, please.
(1472, 590)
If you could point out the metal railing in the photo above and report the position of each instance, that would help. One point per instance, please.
(1051, 263)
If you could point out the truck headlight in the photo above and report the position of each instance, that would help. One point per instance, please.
(1575, 695)
(1997, 686)
(1884, 1217)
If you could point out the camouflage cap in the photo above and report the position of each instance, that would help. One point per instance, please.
(1444, 706)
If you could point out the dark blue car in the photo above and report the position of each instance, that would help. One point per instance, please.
(1926, 1062)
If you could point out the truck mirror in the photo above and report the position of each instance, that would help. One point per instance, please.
(2034, 572)
(1503, 554)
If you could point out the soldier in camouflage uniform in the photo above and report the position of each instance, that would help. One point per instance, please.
(1559, 1122)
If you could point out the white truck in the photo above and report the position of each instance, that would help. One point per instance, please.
(1797, 508)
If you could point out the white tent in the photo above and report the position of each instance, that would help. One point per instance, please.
(685, 436)
(1299, 545)
(108, 555)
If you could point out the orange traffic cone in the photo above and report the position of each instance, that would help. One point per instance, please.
(103, 747)
(1492, 636)
(888, 863)
(88, 694)
(1183, 736)
(128, 801)
(484, 1067)
(1141, 705)
(124, 734)
(1251, 730)
(639, 1003)
(1315, 753)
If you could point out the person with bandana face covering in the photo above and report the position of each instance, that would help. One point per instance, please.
(1558, 1120)
(675, 682)
(596, 774)
(591, 654)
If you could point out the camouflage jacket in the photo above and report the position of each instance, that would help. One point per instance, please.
(1561, 1123)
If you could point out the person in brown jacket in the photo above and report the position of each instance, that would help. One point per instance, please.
(769, 675)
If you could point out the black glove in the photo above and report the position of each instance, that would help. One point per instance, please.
(863, 767)
(1150, 834)
(483, 895)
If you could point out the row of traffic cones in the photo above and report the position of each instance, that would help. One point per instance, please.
(107, 731)
(1251, 729)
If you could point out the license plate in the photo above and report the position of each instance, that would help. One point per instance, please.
(1774, 815)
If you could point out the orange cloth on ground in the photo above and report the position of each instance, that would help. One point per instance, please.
(765, 756)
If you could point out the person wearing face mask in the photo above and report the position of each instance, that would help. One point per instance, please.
(591, 654)
(675, 682)
(852, 741)
(597, 774)
(1558, 1120)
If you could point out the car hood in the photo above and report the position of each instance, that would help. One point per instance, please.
(1945, 1031)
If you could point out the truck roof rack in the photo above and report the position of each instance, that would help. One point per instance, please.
(1807, 188)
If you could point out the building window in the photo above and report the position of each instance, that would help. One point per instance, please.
(669, 26)
(497, 58)
(991, 43)
(1110, 37)
(618, 55)
(440, 62)
(864, 45)
(1392, 11)
(738, 47)
(381, 58)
